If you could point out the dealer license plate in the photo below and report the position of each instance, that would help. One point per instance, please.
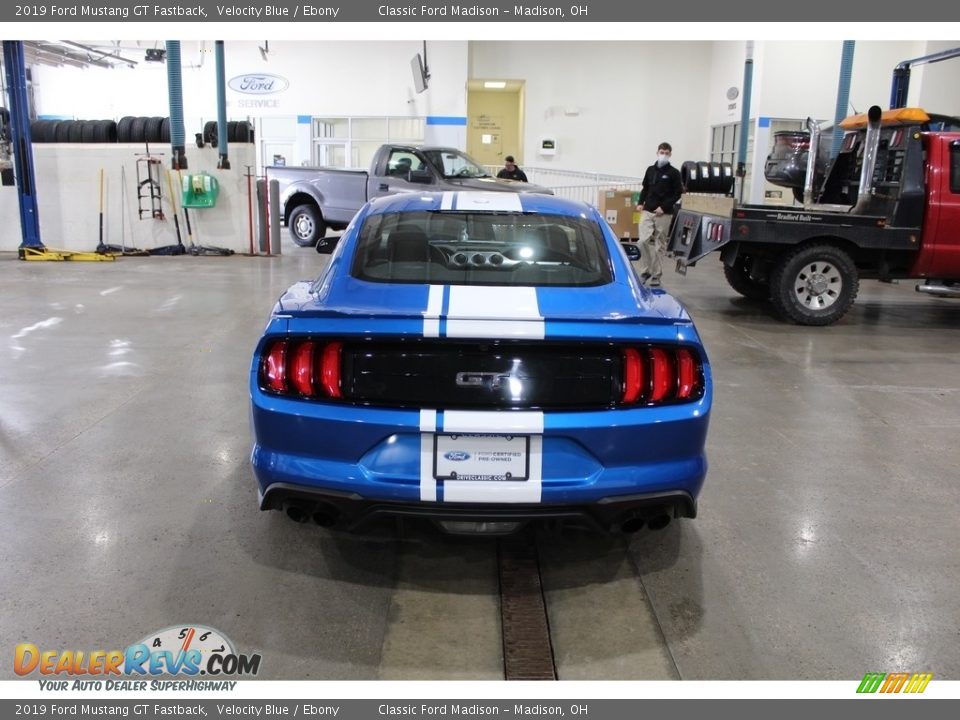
(481, 457)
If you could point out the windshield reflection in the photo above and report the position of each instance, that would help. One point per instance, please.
(454, 164)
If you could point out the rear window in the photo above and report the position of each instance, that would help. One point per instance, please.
(451, 248)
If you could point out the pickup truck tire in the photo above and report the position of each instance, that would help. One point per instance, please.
(814, 284)
(739, 279)
(306, 225)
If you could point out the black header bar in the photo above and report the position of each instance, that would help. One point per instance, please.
(486, 11)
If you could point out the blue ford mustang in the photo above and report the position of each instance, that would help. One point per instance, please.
(483, 360)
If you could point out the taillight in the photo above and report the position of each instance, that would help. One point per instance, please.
(301, 368)
(687, 374)
(273, 372)
(714, 232)
(658, 375)
(662, 378)
(330, 369)
(632, 375)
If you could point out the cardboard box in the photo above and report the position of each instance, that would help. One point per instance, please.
(619, 208)
(709, 204)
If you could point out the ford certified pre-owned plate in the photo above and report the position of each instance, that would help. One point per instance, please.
(481, 457)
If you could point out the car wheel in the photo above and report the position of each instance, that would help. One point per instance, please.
(739, 279)
(814, 285)
(306, 225)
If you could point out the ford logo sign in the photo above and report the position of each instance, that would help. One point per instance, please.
(457, 455)
(258, 84)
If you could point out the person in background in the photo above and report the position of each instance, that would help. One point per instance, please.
(510, 170)
(660, 191)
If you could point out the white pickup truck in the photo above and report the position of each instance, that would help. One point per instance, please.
(313, 199)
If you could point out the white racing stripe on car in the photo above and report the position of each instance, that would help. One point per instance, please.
(494, 312)
(446, 202)
(428, 484)
(428, 420)
(489, 201)
(431, 316)
(498, 423)
(505, 491)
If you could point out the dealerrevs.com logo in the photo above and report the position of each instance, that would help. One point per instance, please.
(895, 682)
(180, 651)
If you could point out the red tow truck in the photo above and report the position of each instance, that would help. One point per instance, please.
(886, 207)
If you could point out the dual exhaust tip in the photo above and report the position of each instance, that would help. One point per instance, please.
(633, 522)
(322, 514)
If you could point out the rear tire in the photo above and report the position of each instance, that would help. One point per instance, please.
(306, 225)
(814, 285)
(739, 279)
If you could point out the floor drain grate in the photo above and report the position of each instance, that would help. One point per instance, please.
(527, 651)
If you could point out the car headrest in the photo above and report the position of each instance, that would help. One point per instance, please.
(554, 238)
(408, 244)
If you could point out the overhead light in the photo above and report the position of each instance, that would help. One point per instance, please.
(494, 84)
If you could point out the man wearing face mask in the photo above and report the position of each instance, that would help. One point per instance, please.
(660, 192)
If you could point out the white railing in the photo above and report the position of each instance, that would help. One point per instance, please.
(575, 184)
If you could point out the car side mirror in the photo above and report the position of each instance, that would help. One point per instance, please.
(632, 250)
(420, 176)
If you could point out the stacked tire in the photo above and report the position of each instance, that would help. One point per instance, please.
(237, 132)
(73, 131)
(707, 177)
(130, 129)
(142, 129)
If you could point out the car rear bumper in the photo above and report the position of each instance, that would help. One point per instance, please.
(350, 511)
(343, 465)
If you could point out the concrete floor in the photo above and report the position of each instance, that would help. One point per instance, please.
(826, 546)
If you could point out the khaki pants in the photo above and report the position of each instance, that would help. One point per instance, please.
(653, 242)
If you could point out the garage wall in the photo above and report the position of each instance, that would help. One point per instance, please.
(607, 104)
(325, 78)
(68, 187)
(590, 96)
(935, 86)
(797, 79)
(789, 89)
(726, 71)
(627, 98)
